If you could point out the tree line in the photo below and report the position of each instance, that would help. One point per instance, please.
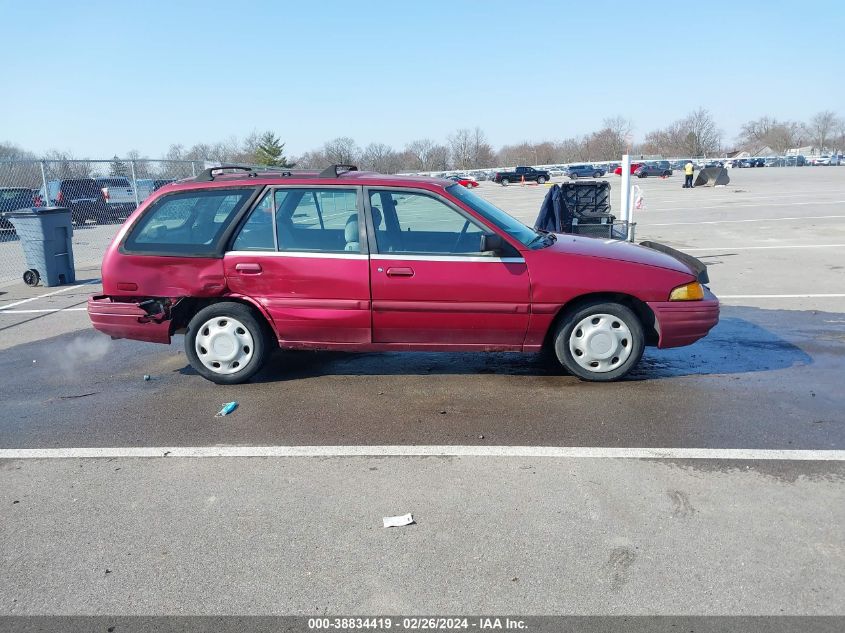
(696, 134)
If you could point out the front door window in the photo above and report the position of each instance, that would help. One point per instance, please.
(420, 224)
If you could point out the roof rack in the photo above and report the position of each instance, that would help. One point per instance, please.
(207, 175)
(335, 171)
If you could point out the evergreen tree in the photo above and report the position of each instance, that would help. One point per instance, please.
(118, 168)
(270, 151)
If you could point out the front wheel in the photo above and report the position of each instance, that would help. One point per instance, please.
(540, 180)
(600, 341)
(226, 343)
(597, 174)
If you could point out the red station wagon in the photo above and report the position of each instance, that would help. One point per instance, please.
(242, 262)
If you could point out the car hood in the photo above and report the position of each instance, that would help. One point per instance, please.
(614, 249)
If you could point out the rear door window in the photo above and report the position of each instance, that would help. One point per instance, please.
(321, 220)
(187, 223)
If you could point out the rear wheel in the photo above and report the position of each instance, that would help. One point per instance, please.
(600, 341)
(226, 343)
(505, 182)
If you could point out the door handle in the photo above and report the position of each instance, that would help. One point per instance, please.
(248, 269)
(400, 272)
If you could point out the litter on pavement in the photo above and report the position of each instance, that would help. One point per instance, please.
(405, 519)
(227, 409)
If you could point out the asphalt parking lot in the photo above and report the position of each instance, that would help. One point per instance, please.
(709, 483)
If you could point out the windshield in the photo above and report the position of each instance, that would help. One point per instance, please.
(494, 215)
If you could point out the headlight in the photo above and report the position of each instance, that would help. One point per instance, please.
(693, 291)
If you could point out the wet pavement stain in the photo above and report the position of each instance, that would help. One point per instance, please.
(618, 564)
(681, 506)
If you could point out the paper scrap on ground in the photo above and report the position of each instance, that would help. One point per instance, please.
(405, 519)
(227, 409)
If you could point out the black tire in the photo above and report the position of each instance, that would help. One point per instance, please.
(255, 325)
(666, 174)
(576, 316)
(597, 174)
(641, 175)
(541, 180)
(31, 277)
(573, 176)
(505, 182)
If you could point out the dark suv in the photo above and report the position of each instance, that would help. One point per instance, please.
(653, 169)
(13, 198)
(584, 171)
(83, 196)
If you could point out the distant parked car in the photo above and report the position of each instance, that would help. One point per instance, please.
(634, 167)
(464, 181)
(83, 196)
(528, 174)
(14, 198)
(584, 171)
(652, 169)
(119, 195)
(146, 186)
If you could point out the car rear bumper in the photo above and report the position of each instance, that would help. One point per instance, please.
(684, 322)
(121, 319)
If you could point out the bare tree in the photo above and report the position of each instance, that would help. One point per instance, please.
(420, 150)
(702, 136)
(768, 131)
(381, 158)
(461, 146)
(482, 153)
(342, 151)
(611, 141)
(823, 127)
(439, 157)
(315, 159)
(694, 135)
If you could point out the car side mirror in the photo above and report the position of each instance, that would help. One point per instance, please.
(492, 242)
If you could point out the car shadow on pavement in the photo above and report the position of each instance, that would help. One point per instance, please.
(745, 340)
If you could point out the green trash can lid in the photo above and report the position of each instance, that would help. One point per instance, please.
(28, 212)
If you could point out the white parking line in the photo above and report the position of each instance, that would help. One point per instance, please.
(753, 248)
(728, 207)
(816, 296)
(43, 311)
(426, 451)
(49, 294)
(809, 217)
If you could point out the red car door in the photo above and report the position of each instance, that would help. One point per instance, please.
(300, 255)
(431, 284)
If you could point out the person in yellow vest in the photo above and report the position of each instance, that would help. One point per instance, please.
(688, 169)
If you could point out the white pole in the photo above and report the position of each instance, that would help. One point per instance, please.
(625, 201)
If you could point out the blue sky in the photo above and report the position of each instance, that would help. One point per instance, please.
(107, 77)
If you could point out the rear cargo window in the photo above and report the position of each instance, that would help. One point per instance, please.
(189, 223)
(113, 182)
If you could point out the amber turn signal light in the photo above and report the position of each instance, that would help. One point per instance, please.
(692, 291)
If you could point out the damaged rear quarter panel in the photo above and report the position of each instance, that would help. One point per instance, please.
(164, 276)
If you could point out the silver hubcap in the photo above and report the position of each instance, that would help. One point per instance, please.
(600, 342)
(224, 345)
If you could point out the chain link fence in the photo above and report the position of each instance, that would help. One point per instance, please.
(99, 193)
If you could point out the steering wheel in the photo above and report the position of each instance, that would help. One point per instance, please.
(460, 237)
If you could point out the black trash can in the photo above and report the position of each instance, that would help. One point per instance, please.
(46, 237)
